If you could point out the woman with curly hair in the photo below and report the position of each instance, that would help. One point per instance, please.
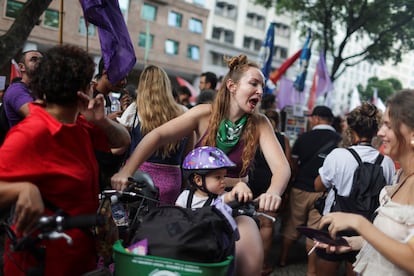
(338, 169)
(233, 124)
(48, 162)
(154, 106)
(387, 244)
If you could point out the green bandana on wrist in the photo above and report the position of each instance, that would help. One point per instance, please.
(228, 134)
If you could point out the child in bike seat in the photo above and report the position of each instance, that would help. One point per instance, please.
(205, 168)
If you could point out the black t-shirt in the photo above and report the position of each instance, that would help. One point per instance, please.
(260, 174)
(306, 148)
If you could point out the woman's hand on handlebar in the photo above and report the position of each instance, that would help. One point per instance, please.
(119, 181)
(269, 202)
(29, 207)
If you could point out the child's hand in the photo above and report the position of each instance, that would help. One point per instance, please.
(242, 192)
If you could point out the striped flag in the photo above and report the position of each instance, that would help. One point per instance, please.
(305, 55)
(14, 71)
(266, 56)
(277, 74)
(117, 50)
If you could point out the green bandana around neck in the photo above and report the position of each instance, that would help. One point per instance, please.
(229, 133)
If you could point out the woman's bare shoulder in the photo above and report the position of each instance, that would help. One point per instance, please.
(201, 110)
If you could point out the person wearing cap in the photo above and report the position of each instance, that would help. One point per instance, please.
(308, 154)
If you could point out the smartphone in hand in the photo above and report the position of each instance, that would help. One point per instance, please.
(322, 236)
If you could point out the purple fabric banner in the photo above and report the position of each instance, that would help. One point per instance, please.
(117, 50)
(288, 95)
(324, 80)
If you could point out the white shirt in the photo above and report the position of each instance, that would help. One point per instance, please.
(339, 166)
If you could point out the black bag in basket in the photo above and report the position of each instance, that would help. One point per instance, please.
(196, 235)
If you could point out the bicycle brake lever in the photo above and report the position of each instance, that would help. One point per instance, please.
(57, 235)
(273, 219)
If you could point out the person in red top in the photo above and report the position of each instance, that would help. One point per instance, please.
(49, 157)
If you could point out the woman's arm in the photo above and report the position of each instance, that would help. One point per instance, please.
(278, 164)
(173, 130)
(399, 253)
(94, 112)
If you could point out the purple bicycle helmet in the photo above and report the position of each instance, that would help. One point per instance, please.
(201, 161)
(206, 158)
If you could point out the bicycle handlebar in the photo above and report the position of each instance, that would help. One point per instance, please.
(247, 208)
(141, 187)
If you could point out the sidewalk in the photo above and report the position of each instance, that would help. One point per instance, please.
(297, 258)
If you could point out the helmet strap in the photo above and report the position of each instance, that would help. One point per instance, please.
(203, 188)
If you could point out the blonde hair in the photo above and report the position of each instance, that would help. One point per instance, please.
(237, 68)
(156, 104)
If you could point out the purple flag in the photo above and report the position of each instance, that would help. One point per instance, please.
(287, 94)
(324, 80)
(117, 50)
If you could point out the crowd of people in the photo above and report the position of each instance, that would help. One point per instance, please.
(69, 141)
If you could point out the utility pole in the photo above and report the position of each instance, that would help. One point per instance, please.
(61, 22)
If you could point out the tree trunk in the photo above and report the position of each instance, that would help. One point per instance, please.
(14, 39)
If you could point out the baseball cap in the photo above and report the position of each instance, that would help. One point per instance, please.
(321, 111)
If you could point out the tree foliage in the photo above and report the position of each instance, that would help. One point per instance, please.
(384, 29)
(385, 88)
(12, 42)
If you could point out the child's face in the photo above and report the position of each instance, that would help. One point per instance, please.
(214, 181)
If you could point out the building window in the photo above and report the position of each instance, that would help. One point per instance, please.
(193, 52)
(255, 20)
(171, 47)
(247, 41)
(149, 12)
(51, 19)
(175, 19)
(217, 59)
(216, 33)
(195, 25)
(142, 40)
(257, 44)
(231, 11)
(199, 2)
(283, 53)
(228, 36)
(124, 6)
(13, 8)
(282, 30)
(82, 27)
(225, 9)
(260, 22)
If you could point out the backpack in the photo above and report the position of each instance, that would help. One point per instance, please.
(367, 184)
(4, 124)
(196, 235)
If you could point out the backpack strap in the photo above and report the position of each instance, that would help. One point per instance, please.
(358, 159)
(379, 159)
(355, 154)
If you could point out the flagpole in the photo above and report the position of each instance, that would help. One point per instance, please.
(87, 36)
(61, 23)
(147, 43)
